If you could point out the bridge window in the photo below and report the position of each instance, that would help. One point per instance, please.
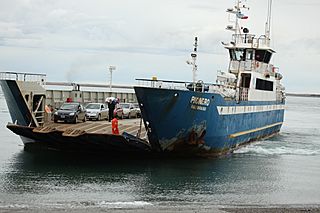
(264, 85)
(249, 54)
(263, 56)
(237, 54)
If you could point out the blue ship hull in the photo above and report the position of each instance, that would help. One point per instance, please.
(196, 123)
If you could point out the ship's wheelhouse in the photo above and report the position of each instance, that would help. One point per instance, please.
(248, 54)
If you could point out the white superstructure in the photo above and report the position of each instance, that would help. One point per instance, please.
(250, 75)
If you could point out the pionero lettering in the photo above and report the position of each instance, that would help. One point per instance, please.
(200, 101)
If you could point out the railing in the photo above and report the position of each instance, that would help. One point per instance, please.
(244, 94)
(250, 39)
(163, 84)
(199, 86)
(39, 115)
(227, 91)
(32, 77)
(254, 66)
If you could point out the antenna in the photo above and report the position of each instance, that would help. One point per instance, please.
(193, 61)
(194, 58)
(195, 44)
(237, 12)
(268, 22)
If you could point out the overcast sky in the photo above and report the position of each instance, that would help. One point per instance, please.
(76, 40)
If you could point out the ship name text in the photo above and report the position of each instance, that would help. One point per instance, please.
(200, 101)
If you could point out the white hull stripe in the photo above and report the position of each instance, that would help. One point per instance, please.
(231, 110)
(254, 130)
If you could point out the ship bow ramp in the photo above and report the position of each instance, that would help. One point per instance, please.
(17, 105)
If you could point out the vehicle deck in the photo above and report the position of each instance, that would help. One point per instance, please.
(131, 126)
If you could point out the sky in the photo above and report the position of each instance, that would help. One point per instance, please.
(77, 40)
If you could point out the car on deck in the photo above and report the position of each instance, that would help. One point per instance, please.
(70, 112)
(129, 111)
(137, 108)
(97, 111)
(118, 111)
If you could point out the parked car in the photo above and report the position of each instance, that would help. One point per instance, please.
(118, 111)
(129, 111)
(70, 112)
(137, 108)
(97, 111)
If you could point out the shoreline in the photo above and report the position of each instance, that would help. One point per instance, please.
(313, 95)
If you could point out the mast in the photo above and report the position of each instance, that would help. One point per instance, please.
(192, 62)
(237, 28)
(194, 58)
(236, 11)
(268, 22)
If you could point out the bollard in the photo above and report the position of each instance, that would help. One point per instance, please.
(114, 125)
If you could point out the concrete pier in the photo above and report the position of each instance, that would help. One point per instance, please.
(57, 93)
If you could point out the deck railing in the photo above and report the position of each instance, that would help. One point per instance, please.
(162, 84)
(244, 94)
(251, 39)
(17, 76)
(180, 85)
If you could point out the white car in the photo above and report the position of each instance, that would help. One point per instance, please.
(137, 108)
(97, 111)
(129, 111)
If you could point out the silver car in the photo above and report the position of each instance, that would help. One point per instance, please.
(137, 108)
(97, 111)
(128, 110)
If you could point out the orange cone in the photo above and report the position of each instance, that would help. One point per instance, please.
(114, 125)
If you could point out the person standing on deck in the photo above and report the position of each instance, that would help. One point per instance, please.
(111, 107)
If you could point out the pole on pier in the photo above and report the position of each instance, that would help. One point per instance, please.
(111, 69)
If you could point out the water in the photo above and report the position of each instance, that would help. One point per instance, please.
(283, 170)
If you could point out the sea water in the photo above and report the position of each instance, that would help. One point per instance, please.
(282, 170)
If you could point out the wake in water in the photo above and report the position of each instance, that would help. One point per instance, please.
(281, 145)
(81, 205)
(128, 204)
(282, 150)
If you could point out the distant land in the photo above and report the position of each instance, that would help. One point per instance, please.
(304, 94)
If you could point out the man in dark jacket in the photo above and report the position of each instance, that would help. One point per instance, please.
(111, 107)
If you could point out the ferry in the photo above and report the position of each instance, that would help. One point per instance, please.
(246, 103)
